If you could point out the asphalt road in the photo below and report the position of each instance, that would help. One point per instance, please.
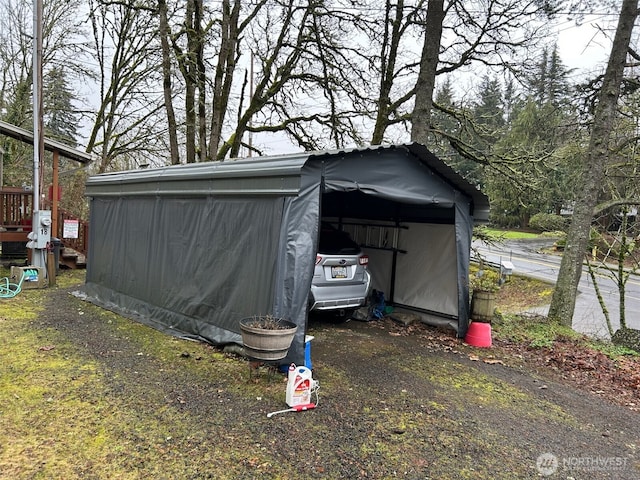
(588, 317)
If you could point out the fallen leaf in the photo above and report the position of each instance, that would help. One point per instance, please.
(494, 361)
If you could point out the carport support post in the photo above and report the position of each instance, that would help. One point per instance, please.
(51, 259)
(394, 262)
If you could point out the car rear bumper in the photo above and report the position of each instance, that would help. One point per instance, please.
(345, 296)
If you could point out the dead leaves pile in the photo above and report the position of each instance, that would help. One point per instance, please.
(617, 380)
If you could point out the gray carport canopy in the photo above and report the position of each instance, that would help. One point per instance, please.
(193, 249)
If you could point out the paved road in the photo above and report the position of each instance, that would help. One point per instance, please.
(588, 317)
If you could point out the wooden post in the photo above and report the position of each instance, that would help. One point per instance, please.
(54, 219)
(54, 195)
(51, 268)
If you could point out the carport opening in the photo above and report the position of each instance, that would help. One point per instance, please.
(399, 239)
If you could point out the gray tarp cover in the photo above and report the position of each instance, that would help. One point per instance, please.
(194, 260)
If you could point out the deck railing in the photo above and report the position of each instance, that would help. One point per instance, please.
(16, 206)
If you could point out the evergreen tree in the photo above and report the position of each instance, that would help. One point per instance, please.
(486, 125)
(488, 111)
(60, 120)
(18, 156)
(540, 130)
(448, 119)
(511, 101)
(558, 94)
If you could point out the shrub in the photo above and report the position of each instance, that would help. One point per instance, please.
(547, 222)
(486, 280)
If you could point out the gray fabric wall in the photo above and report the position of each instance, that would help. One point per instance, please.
(185, 265)
(296, 260)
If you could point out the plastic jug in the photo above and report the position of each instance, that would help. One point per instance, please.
(299, 383)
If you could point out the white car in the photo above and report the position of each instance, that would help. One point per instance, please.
(341, 281)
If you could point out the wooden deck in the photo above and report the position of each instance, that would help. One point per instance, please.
(16, 210)
(16, 205)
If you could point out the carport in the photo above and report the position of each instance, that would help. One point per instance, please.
(193, 249)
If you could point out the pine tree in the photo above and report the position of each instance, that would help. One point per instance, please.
(60, 120)
(488, 111)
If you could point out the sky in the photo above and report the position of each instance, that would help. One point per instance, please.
(585, 47)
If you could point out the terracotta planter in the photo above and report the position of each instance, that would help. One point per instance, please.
(483, 305)
(267, 340)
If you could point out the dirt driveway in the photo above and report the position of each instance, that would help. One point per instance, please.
(467, 412)
(393, 403)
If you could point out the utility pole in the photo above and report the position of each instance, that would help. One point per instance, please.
(40, 235)
(38, 138)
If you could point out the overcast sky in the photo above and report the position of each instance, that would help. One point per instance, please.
(586, 47)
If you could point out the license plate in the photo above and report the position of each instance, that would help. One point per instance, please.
(338, 272)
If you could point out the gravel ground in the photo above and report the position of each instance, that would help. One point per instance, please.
(394, 402)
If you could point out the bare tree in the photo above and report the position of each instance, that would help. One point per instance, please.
(426, 83)
(15, 90)
(126, 122)
(60, 47)
(392, 65)
(231, 29)
(300, 71)
(278, 62)
(298, 57)
(187, 46)
(15, 63)
(597, 158)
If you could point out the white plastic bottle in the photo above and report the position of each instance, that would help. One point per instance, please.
(299, 384)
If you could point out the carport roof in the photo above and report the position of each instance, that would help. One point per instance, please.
(273, 175)
(26, 136)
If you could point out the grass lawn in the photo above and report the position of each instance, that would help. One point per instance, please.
(511, 234)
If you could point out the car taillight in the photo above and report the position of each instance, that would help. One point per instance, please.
(363, 260)
(318, 259)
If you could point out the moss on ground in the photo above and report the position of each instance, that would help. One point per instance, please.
(60, 416)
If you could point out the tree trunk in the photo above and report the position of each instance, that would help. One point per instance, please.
(388, 57)
(425, 85)
(565, 293)
(166, 82)
(201, 80)
(224, 73)
(190, 84)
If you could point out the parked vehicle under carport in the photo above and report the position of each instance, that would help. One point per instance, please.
(341, 281)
